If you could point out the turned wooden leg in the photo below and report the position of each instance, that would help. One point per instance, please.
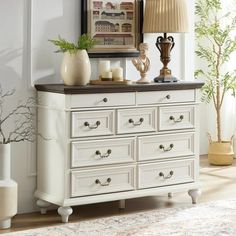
(65, 212)
(122, 204)
(170, 195)
(194, 194)
(43, 205)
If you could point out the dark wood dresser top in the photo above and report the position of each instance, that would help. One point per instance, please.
(88, 89)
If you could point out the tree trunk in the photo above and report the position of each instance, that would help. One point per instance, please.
(218, 113)
(218, 122)
(218, 96)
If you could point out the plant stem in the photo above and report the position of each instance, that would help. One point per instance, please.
(218, 97)
(3, 137)
(218, 121)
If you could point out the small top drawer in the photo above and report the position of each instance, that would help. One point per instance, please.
(102, 100)
(162, 97)
(136, 120)
(92, 123)
(176, 117)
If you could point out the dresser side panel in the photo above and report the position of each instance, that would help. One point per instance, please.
(197, 134)
(51, 152)
(52, 100)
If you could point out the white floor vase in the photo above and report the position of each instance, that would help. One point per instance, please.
(8, 188)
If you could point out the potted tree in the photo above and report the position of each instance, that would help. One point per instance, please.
(22, 117)
(76, 67)
(215, 47)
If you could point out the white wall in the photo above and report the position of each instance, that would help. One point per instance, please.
(14, 69)
(26, 57)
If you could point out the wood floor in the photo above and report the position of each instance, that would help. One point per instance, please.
(218, 183)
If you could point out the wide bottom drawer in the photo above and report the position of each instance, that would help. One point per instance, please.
(165, 173)
(104, 180)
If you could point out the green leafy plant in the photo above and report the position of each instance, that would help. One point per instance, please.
(84, 42)
(216, 46)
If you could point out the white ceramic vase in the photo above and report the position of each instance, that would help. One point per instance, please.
(8, 188)
(76, 68)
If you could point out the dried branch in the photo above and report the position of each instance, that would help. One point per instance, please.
(27, 106)
(8, 94)
(23, 116)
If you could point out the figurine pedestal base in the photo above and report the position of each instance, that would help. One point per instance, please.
(143, 81)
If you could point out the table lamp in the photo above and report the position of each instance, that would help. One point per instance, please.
(165, 16)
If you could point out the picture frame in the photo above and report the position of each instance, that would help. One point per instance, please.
(116, 25)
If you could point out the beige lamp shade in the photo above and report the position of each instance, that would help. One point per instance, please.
(165, 16)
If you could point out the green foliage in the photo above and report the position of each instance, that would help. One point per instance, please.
(84, 42)
(64, 45)
(215, 47)
(214, 30)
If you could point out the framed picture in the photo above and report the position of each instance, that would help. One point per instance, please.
(116, 25)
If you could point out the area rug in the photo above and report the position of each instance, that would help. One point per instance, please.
(206, 219)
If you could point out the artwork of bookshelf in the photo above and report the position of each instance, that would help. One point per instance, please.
(114, 24)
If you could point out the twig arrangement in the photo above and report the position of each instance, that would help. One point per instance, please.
(22, 116)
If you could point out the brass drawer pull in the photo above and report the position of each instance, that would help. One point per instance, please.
(93, 126)
(177, 120)
(166, 149)
(141, 120)
(161, 174)
(98, 153)
(107, 183)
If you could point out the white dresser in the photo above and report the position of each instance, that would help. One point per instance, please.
(99, 144)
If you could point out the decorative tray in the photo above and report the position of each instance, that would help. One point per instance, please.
(110, 82)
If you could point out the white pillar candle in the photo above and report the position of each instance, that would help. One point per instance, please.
(117, 73)
(107, 75)
(104, 66)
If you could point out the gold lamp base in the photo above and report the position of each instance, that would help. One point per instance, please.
(165, 77)
(165, 45)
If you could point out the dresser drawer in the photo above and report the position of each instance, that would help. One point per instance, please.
(102, 152)
(165, 173)
(176, 117)
(136, 120)
(104, 180)
(166, 146)
(102, 100)
(159, 97)
(85, 124)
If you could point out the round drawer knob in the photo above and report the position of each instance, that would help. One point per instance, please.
(105, 100)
